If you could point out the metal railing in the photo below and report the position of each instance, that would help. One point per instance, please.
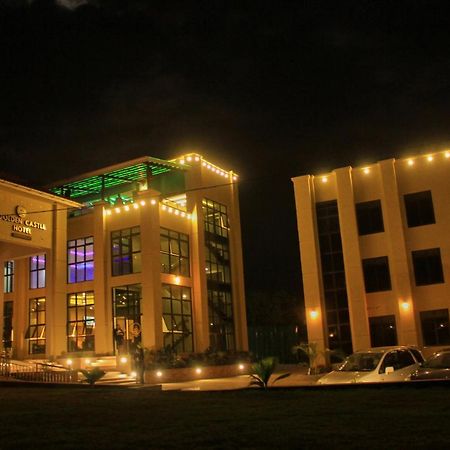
(37, 372)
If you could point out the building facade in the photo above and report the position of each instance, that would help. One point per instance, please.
(375, 253)
(146, 252)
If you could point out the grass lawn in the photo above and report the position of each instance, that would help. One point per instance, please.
(383, 418)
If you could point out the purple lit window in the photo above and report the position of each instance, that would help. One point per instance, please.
(37, 271)
(80, 260)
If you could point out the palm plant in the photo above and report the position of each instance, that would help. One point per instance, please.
(263, 370)
(92, 376)
(312, 353)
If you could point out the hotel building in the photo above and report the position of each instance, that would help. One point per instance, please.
(148, 251)
(375, 253)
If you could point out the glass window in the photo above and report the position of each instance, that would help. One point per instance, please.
(370, 217)
(127, 317)
(435, 327)
(177, 318)
(80, 260)
(80, 322)
(37, 271)
(383, 331)
(376, 274)
(36, 326)
(427, 266)
(419, 209)
(7, 324)
(126, 251)
(174, 249)
(8, 272)
(218, 275)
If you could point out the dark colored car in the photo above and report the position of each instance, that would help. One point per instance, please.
(437, 367)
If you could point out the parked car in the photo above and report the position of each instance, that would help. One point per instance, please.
(383, 364)
(436, 367)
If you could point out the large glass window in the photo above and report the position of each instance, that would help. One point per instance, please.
(435, 327)
(383, 332)
(126, 251)
(37, 271)
(80, 260)
(36, 326)
(7, 324)
(376, 274)
(333, 277)
(8, 273)
(177, 318)
(419, 209)
(80, 322)
(218, 275)
(174, 252)
(427, 266)
(370, 217)
(127, 317)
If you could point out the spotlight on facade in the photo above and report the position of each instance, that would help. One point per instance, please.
(241, 366)
(405, 306)
(314, 314)
(198, 370)
(123, 359)
(69, 362)
(133, 374)
(159, 374)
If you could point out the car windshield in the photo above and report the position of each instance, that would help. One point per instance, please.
(438, 361)
(361, 362)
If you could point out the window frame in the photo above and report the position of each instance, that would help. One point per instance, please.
(376, 281)
(8, 277)
(423, 266)
(132, 253)
(175, 239)
(433, 317)
(73, 324)
(39, 327)
(369, 217)
(35, 269)
(419, 209)
(88, 241)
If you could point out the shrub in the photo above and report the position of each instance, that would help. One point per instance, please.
(92, 376)
(263, 370)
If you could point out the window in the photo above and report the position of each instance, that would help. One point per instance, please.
(174, 252)
(8, 279)
(383, 332)
(127, 316)
(177, 318)
(126, 251)
(370, 217)
(80, 322)
(397, 359)
(7, 324)
(80, 260)
(376, 274)
(218, 275)
(435, 327)
(37, 271)
(419, 209)
(427, 266)
(36, 326)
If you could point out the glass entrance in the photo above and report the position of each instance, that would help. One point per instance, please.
(126, 318)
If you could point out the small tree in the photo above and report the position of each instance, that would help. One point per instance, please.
(92, 376)
(310, 350)
(263, 370)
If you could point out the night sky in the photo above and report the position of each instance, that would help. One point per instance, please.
(269, 89)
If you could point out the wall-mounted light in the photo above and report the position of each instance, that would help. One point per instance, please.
(430, 158)
(324, 179)
(314, 314)
(405, 306)
(177, 280)
(366, 170)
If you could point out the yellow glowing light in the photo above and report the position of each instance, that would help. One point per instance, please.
(410, 162)
(181, 161)
(189, 158)
(123, 359)
(117, 210)
(159, 373)
(69, 362)
(142, 202)
(203, 164)
(366, 170)
(430, 158)
(241, 366)
(177, 280)
(127, 208)
(133, 374)
(183, 214)
(208, 166)
(235, 178)
(197, 158)
(405, 306)
(135, 206)
(314, 314)
(324, 179)
(87, 361)
(447, 154)
(170, 210)
(163, 207)
(189, 216)
(177, 212)
(108, 212)
(198, 370)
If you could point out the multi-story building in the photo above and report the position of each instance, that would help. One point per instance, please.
(148, 251)
(375, 253)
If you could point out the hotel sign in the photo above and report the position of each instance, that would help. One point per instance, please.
(21, 226)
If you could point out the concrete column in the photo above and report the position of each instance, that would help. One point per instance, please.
(310, 260)
(20, 307)
(151, 303)
(2, 265)
(56, 273)
(237, 273)
(398, 256)
(102, 297)
(354, 278)
(200, 292)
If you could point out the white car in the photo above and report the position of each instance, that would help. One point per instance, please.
(379, 364)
